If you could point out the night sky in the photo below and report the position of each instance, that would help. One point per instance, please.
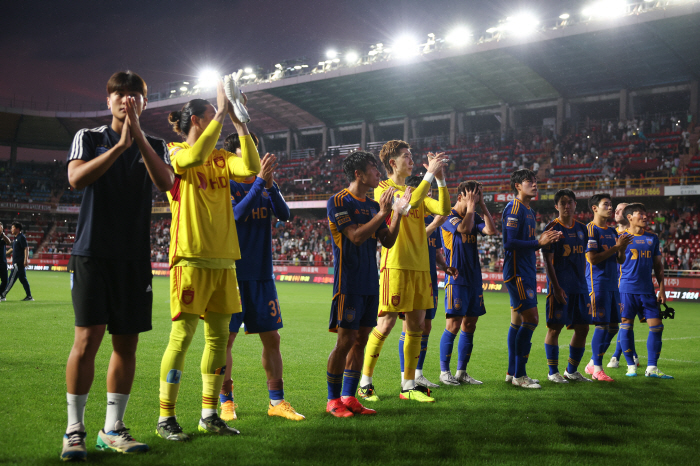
(65, 51)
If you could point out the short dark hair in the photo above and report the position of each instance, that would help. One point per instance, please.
(357, 160)
(470, 185)
(126, 81)
(596, 198)
(630, 209)
(233, 142)
(181, 121)
(564, 192)
(518, 176)
(17, 225)
(392, 150)
(413, 181)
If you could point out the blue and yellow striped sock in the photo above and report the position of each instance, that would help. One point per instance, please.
(624, 338)
(552, 352)
(512, 335)
(351, 379)
(335, 385)
(447, 342)
(402, 339)
(654, 344)
(523, 344)
(575, 356)
(423, 352)
(464, 349)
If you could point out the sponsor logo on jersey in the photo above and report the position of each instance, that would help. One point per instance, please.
(187, 295)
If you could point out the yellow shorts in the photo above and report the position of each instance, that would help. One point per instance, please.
(194, 290)
(404, 290)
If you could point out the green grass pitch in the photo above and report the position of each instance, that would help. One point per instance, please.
(631, 421)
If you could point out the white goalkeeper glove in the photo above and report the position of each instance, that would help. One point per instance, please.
(234, 94)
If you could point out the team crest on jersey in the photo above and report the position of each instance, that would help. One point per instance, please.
(558, 315)
(219, 161)
(350, 314)
(530, 293)
(649, 241)
(580, 235)
(372, 212)
(458, 303)
(395, 300)
(187, 295)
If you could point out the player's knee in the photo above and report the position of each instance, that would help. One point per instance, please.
(270, 340)
(469, 327)
(657, 328)
(125, 345)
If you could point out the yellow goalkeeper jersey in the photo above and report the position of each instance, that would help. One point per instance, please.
(410, 252)
(203, 232)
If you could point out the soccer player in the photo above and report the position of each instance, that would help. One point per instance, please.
(519, 273)
(20, 260)
(622, 225)
(405, 279)
(254, 200)
(604, 251)
(464, 298)
(568, 303)
(4, 242)
(436, 258)
(203, 254)
(356, 223)
(637, 290)
(111, 286)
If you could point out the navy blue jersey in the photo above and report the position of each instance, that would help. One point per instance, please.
(253, 206)
(3, 259)
(115, 213)
(604, 275)
(434, 243)
(569, 256)
(462, 252)
(519, 242)
(635, 273)
(19, 245)
(355, 267)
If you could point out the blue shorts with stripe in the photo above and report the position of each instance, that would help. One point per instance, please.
(606, 307)
(260, 307)
(523, 293)
(643, 305)
(352, 311)
(464, 301)
(575, 311)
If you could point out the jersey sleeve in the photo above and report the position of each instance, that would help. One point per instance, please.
(83, 147)
(479, 223)
(339, 213)
(183, 158)
(441, 205)
(593, 243)
(160, 148)
(655, 247)
(451, 224)
(248, 164)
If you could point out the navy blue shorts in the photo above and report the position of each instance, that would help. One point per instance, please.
(464, 301)
(606, 307)
(352, 311)
(643, 305)
(523, 293)
(576, 311)
(430, 313)
(260, 307)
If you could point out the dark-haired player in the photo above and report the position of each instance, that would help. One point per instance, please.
(519, 273)
(117, 165)
(568, 303)
(436, 259)
(4, 242)
(464, 296)
(254, 200)
(622, 225)
(604, 251)
(637, 290)
(356, 223)
(203, 254)
(405, 285)
(20, 260)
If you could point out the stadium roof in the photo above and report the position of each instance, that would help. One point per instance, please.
(635, 52)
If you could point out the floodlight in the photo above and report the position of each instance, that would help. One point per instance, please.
(520, 25)
(351, 57)
(564, 16)
(321, 63)
(297, 67)
(183, 88)
(209, 77)
(459, 36)
(405, 46)
(185, 82)
(248, 70)
(492, 30)
(606, 9)
(336, 60)
(331, 54)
